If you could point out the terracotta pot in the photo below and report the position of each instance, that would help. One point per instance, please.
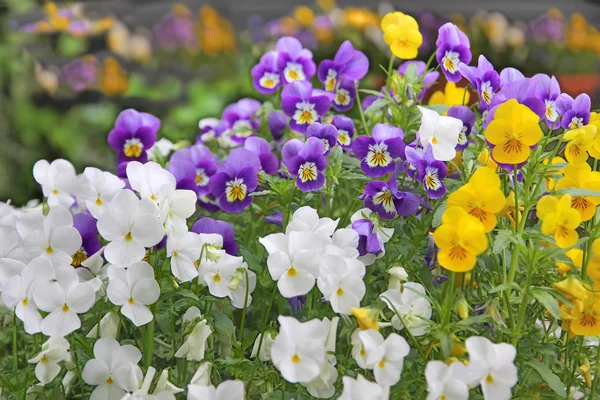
(575, 84)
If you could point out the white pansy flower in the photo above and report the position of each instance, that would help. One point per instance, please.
(150, 180)
(184, 251)
(9, 251)
(111, 369)
(359, 352)
(492, 366)
(164, 389)
(265, 348)
(323, 386)
(161, 148)
(202, 375)
(341, 283)
(130, 225)
(360, 389)
(109, 325)
(411, 309)
(134, 289)
(226, 277)
(306, 219)
(299, 349)
(439, 132)
(398, 276)
(54, 350)
(194, 346)
(58, 181)
(175, 207)
(94, 271)
(344, 243)
(385, 357)
(446, 381)
(97, 188)
(227, 390)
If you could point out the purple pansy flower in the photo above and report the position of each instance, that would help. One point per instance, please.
(176, 29)
(430, 77)
(523, 90)
(235, 179)
(277, 123)
(185, 175)
(453, 47)
(297, 302)
(424, 168)
(548, 91)
(275, 219)
(378, 152)
(133, 134)
(259, 146)
(241, 122)
(303, 104)
(223, 228)
(344, 95)
(265, 75)
(203, 163)
(81, 73)
(345, 128)
(368, 239)
(483, 78)
(210, 128)
(294, 62)
(385, 199)
(468, 119)
(90, 244)
(348, 63)
(306, 162)
(575, 113)
(327, 133)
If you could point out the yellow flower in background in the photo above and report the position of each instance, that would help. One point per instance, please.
(456, 163)
(553, 170)
(510, 209)
(48, 79)
(576, 257)
(113, 79)
(366, 318)
(460, 238)
(513, 131)
(581, 176)
(579, 142)
(215, 34)
(559, 219)
(360, 17)
(401, 33)
(56, 21)
(326, 5)
(304, 15)
(451, 96)
(487, 161)
(481, 197)
(585, 371)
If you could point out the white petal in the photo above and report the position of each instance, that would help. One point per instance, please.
(60, 323)
(147, 230)
(146, 291)
(124, 253)
(49, 296)
(81, 298)
(95, 372)
(275, 242)
(118, 292)
(66, 238)
(297, 285)
(137, 313)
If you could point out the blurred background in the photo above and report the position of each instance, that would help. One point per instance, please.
(68, 68)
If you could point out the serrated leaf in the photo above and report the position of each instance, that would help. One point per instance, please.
(504, 237)
(548, 301)
(548, 376)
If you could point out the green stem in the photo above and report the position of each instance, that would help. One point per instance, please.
(360, 110)
(389, 72)
(245, 308)
(523, 307)
(596, 374)
(148, 341)
(575, 365)
(14, 346)
(449, 299)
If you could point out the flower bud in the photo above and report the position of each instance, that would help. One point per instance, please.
(398, 275)
(462, 308)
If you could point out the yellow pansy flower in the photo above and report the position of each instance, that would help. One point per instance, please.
(593, 267)
(579, 142)
(481, 197)
(487, 161)
(510, 208)
(559, 219)
(451, 96)
(304, 15)
(576, 257)
(401, 33)
(513, 131)
(594, 150)
(366, 318)
(113, 78)
(581, 176)
(553, 170)
(460, 238)
(587, 321)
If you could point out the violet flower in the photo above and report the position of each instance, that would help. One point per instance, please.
(275, 219)
(223, 228)
(523, 90)
(575, 113)
(90, 244)
(424, 168)
(453, 47)
(235, 179)
(344, 95)
(348, 64)
(483, 78)
(303, 104)
(378, 152)
(185, 175)
(259, 146)
(265, 75)
(468, 118)
(210, 128)
(241, 122)
(306, 162)
(297, 302)
(368, 239)
(294, 62)
(548, 91)
(385, 199)
(277, 123)
(80, 74)
(133, 134)
(429, 78)
(327, 133)
(345, 128)
(203, 163)
(175, 30)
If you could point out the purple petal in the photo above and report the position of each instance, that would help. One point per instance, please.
(311, 186)
(301, 89)
(360, 146)
(239, 159)
(383, 132)
(129, 120)
(291, 149)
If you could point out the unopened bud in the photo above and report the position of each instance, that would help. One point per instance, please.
(462, 307)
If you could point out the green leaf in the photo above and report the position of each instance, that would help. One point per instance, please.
(223, 324)
(372, 92)
(548, 376)
(505, 286)
(504, 237)
(437, 215)
(575, 192)
(548, 301)
(376, 105)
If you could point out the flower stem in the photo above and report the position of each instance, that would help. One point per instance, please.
(596, 374)
(360, 109)
(14, 346)
(245, 308)
(148, 341)
(389, 72)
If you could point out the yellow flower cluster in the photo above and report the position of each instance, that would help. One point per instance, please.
(582, 316)
(581, 35)
(215, 34)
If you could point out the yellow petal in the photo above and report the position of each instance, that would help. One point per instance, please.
(566, 238)
(546, 205)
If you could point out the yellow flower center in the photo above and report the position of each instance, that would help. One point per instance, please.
(293, 74)
(295, 358)
(339, 292)
(49, 250)
(235, 190)
(25, 302)
(308, 172)
(457, 252)
(363, 353)
(44, 360)
(489, 378)
(512, 145)
(589, 319)
(109, 381)
(130, 301)
(79, 257)
(133, 148)
(128, 237)
(580, 203)
(65, 308)
(292, 271)
(55, 192)
(98, 202)
(217, 278)
(381, 364)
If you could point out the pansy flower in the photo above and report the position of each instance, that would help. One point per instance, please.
(348, 64)
(345, 128)
(277, 123)
(294, 62)
(235, 179)
(522, 90)
(306, 162)
(424, 168)
(185, 175)
(453, 47)
(241, 122)
(484, 79)
(468, 118)
(559, 219)
(575, 113)
(401, 33)
(204, 165)
(259, 146)
(430, 76)
(581, 176)
(223, 228)
(344, 95)
(385, 199)
(326, 132)
(133, 134)
(548, 91)
(303, 104)
(265, 75)
(440, 133)
(90, 244)
(378, 152)
(210, 128)
(371, 236)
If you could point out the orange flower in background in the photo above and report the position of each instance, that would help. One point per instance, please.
(360, 17)
(215, 34)
(114, 80)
